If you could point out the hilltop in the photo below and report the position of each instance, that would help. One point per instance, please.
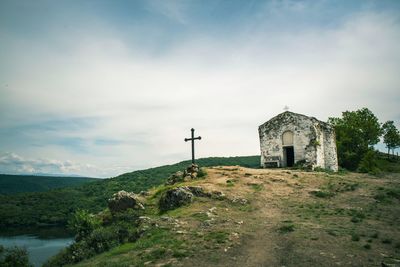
(266, 217)
(54, 207)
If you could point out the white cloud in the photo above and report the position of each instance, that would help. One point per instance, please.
(222, 86)
(11, 163)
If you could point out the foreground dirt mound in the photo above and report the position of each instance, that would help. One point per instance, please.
(270, 218)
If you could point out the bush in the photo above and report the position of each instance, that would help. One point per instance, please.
(322, 194)
(286, 228)
(201, 173)
(82, 223)
(14, 257)
(102, 239)
(302, 165)
(355, 237)
(369, 163)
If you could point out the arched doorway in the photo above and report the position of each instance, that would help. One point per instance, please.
(288, 149)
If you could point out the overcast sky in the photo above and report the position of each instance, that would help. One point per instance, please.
(100, 88)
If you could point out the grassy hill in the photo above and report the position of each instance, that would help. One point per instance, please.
(11, 184)
(268, 217)
(55, 206)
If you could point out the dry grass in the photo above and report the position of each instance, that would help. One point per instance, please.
(283, 224)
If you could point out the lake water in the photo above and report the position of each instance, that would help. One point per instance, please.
(41, 245)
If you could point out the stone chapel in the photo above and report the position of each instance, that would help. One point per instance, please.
(290, 138)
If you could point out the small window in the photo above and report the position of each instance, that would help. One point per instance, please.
(287, 138)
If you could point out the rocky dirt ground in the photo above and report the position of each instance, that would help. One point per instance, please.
(273, 218)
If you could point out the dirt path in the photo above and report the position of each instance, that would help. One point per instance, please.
(326, 231)
(261, 244)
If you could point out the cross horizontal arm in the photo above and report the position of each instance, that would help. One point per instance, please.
(194, 138)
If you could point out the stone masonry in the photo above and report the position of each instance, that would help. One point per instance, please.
(294, 139)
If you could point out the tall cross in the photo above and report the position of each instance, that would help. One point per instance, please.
(192, 139)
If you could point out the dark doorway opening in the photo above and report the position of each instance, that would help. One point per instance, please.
(289, 156)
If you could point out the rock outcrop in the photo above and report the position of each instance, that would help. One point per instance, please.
(183, 195)
(123, 200)
(175, 198)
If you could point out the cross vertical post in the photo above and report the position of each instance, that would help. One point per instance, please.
(192, 139)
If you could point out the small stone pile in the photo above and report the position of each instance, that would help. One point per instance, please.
(123, 200)
(190, 173)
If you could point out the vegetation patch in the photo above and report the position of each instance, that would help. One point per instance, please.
(286, 227)
(27, 209)
(218, 237)
(386, 195)
(355, 237)
(257, 187)
(14, 256)
(230, 183)
(322, 193)
(356, 215)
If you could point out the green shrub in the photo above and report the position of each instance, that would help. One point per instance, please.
(322, 194)
(386, 195)
(14, 257)
(219, 236)
(355, 237)
(201, 173)
(82, 223)
(102, 239)
(302, 165)
(286, 228)
(257, 187)
(367, 246)
(356, 215)
(230, 183)
(387, 241)
(369, 163)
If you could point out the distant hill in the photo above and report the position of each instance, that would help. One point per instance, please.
(11, 184)
(55, 206)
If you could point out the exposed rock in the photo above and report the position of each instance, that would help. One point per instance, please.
(198, 191)
(194, 168)
(384, 264)
(234, 235)
(187, 178)
(123, 200)
(183, 195)
(240, 200)
(217, 195)
(190, 173)
(212, 210)
(175, 198)
(211, 215)
(144, 219)
(208, 223)
(175, 178)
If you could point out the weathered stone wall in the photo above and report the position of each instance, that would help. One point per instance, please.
(313, 141)
(331, 160)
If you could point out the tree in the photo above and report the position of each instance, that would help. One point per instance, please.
(356, 132)
(13, 257)
(83, 223)
(391, 136)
